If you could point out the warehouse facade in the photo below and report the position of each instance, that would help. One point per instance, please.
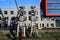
(41, 21)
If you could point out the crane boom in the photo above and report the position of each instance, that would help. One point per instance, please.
(16, 4)
(19, 30)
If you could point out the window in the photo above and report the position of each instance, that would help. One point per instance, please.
(53, 11)
(47, 25)
(48, 18)
(13, 18)
(29, 12)
(53, 0)
(36, 24)
(29, 17)
(57, 18)
(42, 19)
(24, 12)
(36, 12)
(42, 11)
(42, 25)
(42, 16)
(0, 12)
(0, 25)
(6, 18)
(53, 5)
(52, 18)
(5, 12)
(36, 18)
(52, 25)
(12, 12)
(0, 18)
(57, 23)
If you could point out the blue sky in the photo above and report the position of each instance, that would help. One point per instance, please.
(11, 3)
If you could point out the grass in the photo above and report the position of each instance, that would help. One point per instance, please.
(3, 34)
(43, 35)
(55, 33)
(50, 35)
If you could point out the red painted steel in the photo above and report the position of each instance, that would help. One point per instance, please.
(44, 5)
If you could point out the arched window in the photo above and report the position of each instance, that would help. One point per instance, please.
(52, 25)
(47, 25)
(42, 25)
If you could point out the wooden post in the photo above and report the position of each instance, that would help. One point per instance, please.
(20, 36)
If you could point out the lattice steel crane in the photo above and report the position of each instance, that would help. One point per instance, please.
(3, 22)
(33, 21)
(20, 15)
(21, 19)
